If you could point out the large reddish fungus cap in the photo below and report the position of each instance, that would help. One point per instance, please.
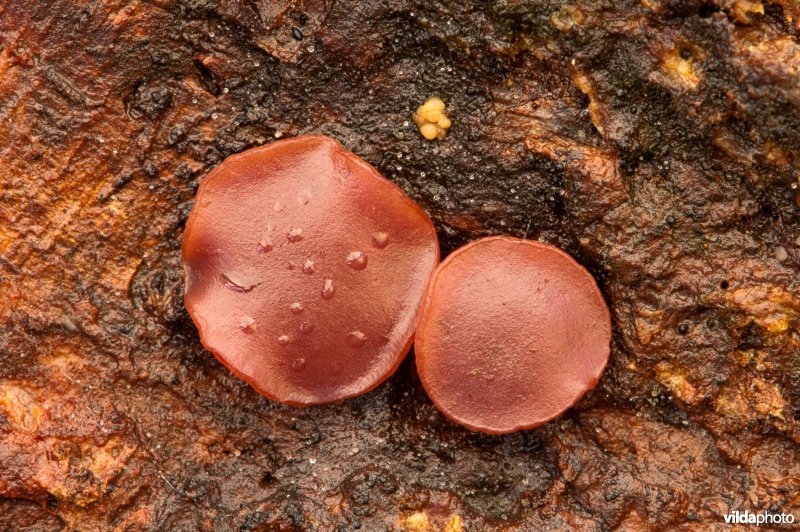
(512, 333)
(305, 270)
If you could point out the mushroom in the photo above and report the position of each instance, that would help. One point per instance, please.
(511, 334)
(305, 269)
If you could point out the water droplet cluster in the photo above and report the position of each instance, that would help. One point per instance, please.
(356, 260)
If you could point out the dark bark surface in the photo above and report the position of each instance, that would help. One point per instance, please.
(656, 141)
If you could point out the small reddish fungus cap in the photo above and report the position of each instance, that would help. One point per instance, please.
(511, 334)
(305, 269)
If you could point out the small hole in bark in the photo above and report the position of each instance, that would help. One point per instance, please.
(52, 503)
(207, 78)
(706, 10)
(266, 479)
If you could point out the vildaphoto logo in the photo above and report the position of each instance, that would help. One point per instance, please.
(763, 518)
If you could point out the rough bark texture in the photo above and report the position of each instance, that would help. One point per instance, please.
(656, 141)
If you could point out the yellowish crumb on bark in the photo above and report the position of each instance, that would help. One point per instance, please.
(432, 120)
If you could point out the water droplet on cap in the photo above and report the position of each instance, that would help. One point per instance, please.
(296, 307)
(295, 234)
(356, 338)
(380, 240)
(328, 289)
(299, 364)
(246, 322)
(357, 260)
(231, 283)
(283, 339)
(305, 328)
(264, 245)
(308, 267)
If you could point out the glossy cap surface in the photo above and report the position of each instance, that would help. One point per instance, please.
(512, 333)
(305, 269)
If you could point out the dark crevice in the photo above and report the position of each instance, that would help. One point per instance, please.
(206, 78)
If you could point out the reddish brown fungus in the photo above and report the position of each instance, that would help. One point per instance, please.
(340, 322)
(511, 334)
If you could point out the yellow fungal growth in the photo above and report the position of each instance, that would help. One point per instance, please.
(741, 9)
(677, 383)
(456, 524)
(566, 18)
(21, 408)
(681, 65)
(431, 118)
(417, 522)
